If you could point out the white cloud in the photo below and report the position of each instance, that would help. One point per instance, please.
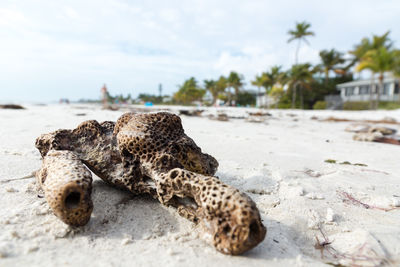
(249, 61)
(308, 54)
(8, 17)
(71, 13)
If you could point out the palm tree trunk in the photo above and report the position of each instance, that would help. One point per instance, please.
(326, 77)
(301, 98)
(371, 101)
(214, 101)
(378, 96)
(294, 95)
(229, 96)
(236, 95)
(398, 80)
(296, 60)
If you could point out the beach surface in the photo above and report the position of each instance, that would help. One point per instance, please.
(324, 198)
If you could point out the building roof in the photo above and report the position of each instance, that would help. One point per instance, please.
(387, 79)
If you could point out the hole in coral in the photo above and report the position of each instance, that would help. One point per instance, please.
(174, 174)
(72, 200)
(186, 201)
(254, 230)
(226, 229)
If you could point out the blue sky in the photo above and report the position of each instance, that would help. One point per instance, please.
(53, 49)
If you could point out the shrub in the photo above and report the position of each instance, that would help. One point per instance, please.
(357, 105)
(319, 105)
(389, 105)
(284, 102)
(245, 98)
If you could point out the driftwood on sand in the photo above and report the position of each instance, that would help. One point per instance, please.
(384, 121)
(11, 106)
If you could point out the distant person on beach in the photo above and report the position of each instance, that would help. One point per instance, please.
(104, 94)
(64, 101)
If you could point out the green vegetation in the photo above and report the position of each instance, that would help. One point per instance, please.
(356, 105)
(331, 60)
(389, 105)
(235, 81)
(189, 92)
(150, 98)
(118, 98)
(319, 105)
(216, 88)
(333, 161)
(300, 78)
(360, 164)
(246, 99)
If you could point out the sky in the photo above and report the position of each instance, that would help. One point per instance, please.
(69, 49)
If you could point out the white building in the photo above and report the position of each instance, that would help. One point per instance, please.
(360, 90)
(264, 101)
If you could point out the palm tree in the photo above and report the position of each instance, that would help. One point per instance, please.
(366, 45)
(221, 86)
(258, 82)
(235, 81)
(300, 33)
(188, 92)
(215, 87)
(330, 61)
(379, 61)
(360, 50)
(300, 76)
(210, 87)
(271, 77)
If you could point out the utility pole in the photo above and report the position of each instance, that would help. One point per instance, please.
(160, 89)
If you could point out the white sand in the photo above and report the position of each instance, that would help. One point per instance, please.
(280, 164)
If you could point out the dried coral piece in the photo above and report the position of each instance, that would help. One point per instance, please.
(150, 153)
(182, 177)
(67, 185)
(230, 219)
(94, 144)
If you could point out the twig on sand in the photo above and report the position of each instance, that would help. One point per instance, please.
(348, 198)
(32, 175)
(314, 174)
(377, 171)
(357, 258)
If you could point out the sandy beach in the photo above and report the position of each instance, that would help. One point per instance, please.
(280, 163)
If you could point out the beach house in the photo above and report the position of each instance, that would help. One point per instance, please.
(360, 90)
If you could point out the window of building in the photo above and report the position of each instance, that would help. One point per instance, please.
(349, 91)
(386, 88)
(396, 88)
(364, 90)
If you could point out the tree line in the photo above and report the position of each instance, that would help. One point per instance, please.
(303, 84)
